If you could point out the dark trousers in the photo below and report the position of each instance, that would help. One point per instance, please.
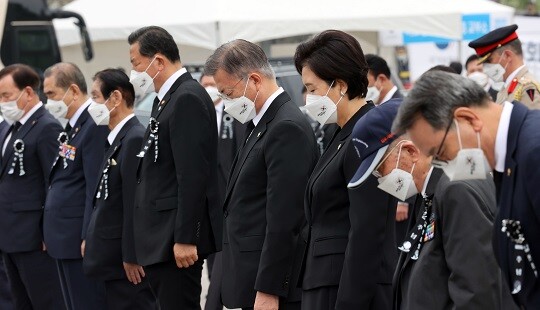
(213, 299)
(33, 280)
(321, 298)
(285, 306)
(124, 295)
(80, 292)
(176, 288)
(6, 301)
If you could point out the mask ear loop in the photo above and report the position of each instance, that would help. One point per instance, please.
(458, 134)
(331, 84)
(478, 139)
(150, 64)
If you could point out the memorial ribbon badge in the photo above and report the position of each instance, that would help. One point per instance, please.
(152, 139)
(18, 147)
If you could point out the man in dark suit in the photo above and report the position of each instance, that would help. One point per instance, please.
(230, 138)
(6, 301)
(509, 139)
(177, 219)
(380, 88)
(263, 206)
(28, 149)
(74, 174)
(110, 250)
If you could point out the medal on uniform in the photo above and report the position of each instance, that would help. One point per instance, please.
(63, 140)
(18, 147)
(152, 138)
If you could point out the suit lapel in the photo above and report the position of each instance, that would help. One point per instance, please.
(256, 134)
(20, 134)
(157, 110)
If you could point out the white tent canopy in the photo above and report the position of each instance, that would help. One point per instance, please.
(209, 23)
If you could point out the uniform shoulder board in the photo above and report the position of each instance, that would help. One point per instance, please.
(527, 85)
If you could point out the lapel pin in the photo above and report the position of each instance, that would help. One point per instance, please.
(77, 129)
(339, 146)
(259, 134)
(508, 172)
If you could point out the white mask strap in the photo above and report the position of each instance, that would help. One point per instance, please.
(412, 169)
(458, 134)
(478, 139)
(150, 64)
(245, 87)
(331, 84)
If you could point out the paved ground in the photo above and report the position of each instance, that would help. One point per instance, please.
(205, 284)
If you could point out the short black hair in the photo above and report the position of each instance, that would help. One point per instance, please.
(457, 66)
(333, 55)
(65, 74)
(377, 65)
(471, 58)
(115, 79)
(23, 76)
(153, 40)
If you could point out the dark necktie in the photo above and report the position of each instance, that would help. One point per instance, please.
(68, 128)
(249, 128)
(497, 178)
(155, 105)
(13, 130)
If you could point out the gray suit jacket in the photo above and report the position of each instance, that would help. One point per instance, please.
(456, 268)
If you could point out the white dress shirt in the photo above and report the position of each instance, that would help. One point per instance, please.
(501, 139)
(512, 76)
(219, 114)
(389, 94)
(266, 105)
(169, 83)
(75, 117)
(112, 135)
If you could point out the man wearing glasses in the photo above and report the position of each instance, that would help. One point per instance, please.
(263, 209)
(486, 136)
(446, 258)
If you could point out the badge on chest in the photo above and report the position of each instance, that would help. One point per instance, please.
(430, 229)
(68, 151)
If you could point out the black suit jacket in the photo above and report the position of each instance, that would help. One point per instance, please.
(109, 239)
(456, 268)
(520, 200)
(230, 139)
(263, 207)
(69, 202)
(370, 258)
(176, 197)
(22, 197)
(327, 208)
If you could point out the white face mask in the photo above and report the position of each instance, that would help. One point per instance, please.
(469, 164)
(399, 183)
(11, 111)
(322, 108)
(100, 113)
(480, 78)
(373, 94)
(213, 92)
(142, 82)
(58, 108)
(242, 108)
(495, 71)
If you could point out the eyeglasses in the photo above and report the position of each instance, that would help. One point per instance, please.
(227, 97)
(436, 161)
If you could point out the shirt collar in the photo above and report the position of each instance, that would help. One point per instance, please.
(219, 106)
(426, 181)
(75, 117)
(112, 135)
(30, 113)
(512, 76)
(501, 139)
(169, 83)
(389, 94)
(266, 105)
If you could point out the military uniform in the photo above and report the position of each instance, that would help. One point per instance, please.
(523, 87)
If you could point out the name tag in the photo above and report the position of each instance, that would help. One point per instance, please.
(68, 151)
